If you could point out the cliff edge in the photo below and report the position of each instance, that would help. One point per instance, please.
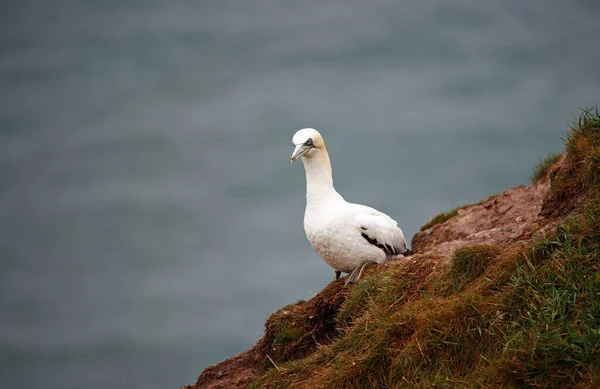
(505, 292)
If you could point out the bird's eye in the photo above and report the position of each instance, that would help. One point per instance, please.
(309, 142)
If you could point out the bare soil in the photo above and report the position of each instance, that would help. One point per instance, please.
(500, 219)
(235, 372)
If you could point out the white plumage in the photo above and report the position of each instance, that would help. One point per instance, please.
(347, 236)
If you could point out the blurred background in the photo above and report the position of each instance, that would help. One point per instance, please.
(150, 219)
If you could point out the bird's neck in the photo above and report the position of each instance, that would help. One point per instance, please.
(319, 180)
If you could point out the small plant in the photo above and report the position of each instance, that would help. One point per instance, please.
(541, 168)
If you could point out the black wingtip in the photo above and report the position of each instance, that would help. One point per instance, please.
(408, 252)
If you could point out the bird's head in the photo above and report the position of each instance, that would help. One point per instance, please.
(306, 142)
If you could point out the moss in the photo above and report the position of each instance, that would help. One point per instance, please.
(540, 170)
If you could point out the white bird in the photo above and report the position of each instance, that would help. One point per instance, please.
(347, 236)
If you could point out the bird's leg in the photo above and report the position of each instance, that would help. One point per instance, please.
(356, 273)
(338, 274)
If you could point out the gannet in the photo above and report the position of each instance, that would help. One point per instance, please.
(347, 236)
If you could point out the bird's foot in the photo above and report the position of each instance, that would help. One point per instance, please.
(357, 273)
(338, 274)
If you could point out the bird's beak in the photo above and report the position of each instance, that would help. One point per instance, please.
(299, 151)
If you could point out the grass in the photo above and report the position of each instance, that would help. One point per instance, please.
(541, 168)
(580, 170)
(555, 338)
(442, 217)
(468, 263)
(583, 149)
(522, 315)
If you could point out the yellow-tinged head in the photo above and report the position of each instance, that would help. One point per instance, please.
(305, 140)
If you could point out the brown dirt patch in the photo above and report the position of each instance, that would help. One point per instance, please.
(501, 219)
(234, 373)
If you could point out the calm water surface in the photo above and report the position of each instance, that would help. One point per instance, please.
(149, 216)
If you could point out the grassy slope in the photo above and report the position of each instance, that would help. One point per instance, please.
(525, 315)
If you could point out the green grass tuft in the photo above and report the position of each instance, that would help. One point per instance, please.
(583, 146)
(541, 168)
(442, 217)
(468, 263)
(580, 171)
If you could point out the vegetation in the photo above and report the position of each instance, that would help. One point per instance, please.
(296, 330)
(469, 262)
(541, 168)
(442, 217)
(522, 315)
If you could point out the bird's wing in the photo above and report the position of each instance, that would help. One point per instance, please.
(381, 230)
